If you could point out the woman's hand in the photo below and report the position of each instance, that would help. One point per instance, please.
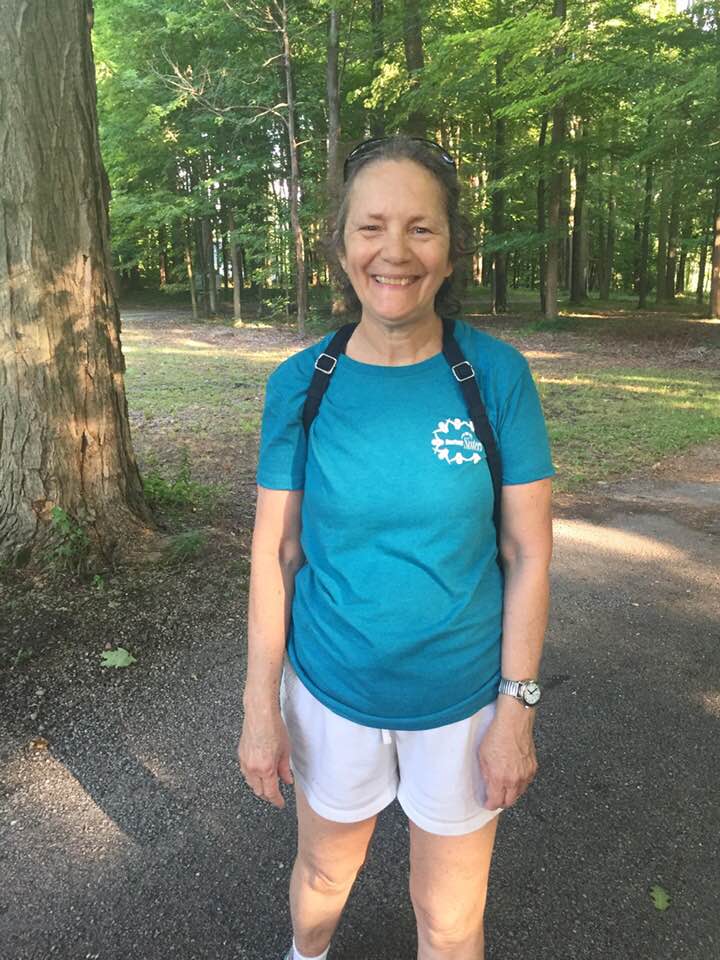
(507, 754)
(264, 753)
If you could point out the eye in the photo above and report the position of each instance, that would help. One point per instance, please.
(423, 230)
(370, 226)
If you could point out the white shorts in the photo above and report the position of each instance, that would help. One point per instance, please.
(350, 772)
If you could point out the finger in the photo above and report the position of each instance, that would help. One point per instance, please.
(494, 796)
(284, 769)
(271, 791)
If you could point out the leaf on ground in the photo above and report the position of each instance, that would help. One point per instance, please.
(117, 658)
(660, 898)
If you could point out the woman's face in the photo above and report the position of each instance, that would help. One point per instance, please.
(397, 241)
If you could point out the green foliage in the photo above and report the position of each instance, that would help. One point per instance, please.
(181, 493)
(185, 546)
(119, 657)
(193, 122)
(659, 897)
(70, 543)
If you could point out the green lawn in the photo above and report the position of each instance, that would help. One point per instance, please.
(603, 424)
(606, 425)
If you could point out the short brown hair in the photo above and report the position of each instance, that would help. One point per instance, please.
(447, 299)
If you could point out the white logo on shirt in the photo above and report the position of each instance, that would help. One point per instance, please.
(454, 441)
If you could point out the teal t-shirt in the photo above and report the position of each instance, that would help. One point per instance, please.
(397, 613)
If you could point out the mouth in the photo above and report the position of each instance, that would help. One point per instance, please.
(393, 281)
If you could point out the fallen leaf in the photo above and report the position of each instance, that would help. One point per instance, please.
(659, 897)
(117, 658)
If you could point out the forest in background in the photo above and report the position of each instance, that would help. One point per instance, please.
(586, 132)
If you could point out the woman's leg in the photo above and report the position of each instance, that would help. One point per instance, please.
(448, 888)
(329, 857)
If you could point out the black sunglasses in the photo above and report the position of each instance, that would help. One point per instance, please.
(368, 146)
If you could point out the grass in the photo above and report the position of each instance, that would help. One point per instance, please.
(610, 424)
(605, 421)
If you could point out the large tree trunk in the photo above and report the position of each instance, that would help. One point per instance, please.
(64, 433)
(556, 182)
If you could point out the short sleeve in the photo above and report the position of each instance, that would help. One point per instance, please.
(522, 434)
(281, 463)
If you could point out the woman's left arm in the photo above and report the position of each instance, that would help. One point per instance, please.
(507, 752)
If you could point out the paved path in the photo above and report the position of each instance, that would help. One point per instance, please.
(132, 838)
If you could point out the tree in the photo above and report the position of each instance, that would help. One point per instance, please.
(64, 432)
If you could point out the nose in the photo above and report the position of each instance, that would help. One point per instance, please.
(395, 248)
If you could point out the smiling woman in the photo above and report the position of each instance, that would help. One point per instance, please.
(407, 655)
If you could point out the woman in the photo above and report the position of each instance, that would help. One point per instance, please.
(375, 579)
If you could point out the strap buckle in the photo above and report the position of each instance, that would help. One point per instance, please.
(460, 370)
(325, 368)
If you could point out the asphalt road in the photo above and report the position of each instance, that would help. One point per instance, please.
(132, 837)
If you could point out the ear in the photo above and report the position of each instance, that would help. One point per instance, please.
(343, 263)
(450, 269)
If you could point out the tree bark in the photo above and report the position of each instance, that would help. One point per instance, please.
(714, 311)
(300, 278)
(334, 171)
(662, 235)
(578, 275)
(236, 269)
(556, 182)
(377, 14)
(190, 272)
(645, 238)
(417, 122)
(497, 204)
(705, 238)
(541, 208)
(673, 234)
(64, 431)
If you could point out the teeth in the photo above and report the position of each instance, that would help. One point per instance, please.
(396, 281)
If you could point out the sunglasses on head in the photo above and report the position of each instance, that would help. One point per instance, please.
(368, 146)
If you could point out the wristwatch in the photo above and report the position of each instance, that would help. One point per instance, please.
(528, 692)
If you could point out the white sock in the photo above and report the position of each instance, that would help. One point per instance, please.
(299, 956)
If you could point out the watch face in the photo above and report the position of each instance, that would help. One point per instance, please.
(531, 694)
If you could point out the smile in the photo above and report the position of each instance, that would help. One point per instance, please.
(395, 281)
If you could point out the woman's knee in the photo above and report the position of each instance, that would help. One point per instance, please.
(447, 923)
(330, 878)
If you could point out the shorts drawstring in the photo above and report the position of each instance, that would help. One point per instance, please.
(386, 738)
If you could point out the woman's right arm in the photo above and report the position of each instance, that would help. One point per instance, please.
(276, 556)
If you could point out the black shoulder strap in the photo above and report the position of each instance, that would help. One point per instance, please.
(324, 366)
(465, 375)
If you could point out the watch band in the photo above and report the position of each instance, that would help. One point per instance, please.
(526, 691)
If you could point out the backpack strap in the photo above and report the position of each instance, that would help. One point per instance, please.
(324, 366)
(464, 373)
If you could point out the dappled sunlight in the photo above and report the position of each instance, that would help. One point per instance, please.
(554, 355)
(620, 542)
(709, 700)
(47, 792)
